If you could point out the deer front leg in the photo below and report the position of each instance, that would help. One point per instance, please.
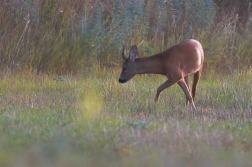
(165, 85)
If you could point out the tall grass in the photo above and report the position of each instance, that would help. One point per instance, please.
(88, 119)
(70, 36)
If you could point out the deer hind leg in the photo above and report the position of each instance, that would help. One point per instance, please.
(165, 85)
(184, 87)
(196, 78)
(187, 83)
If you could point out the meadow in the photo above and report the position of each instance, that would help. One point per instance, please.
(96, 121)
(61, 103)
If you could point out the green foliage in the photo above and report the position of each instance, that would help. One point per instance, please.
(70, 36)
(89, 119)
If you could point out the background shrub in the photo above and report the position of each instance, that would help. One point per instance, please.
(70, 36)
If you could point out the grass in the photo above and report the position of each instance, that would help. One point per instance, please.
(92, 120)
(83, 117)
(60, 37)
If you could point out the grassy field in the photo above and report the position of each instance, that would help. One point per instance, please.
(92, 120)
(61, 104)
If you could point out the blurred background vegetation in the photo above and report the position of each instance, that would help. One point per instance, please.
(71, 120)
(70, 36)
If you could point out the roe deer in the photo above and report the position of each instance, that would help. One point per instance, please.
(176, 64)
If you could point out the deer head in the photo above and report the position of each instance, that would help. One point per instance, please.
(129, 64)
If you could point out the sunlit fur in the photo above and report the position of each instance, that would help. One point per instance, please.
(176, 64)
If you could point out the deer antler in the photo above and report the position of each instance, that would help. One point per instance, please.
(124, 52)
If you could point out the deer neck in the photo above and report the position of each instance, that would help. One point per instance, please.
(149, 65)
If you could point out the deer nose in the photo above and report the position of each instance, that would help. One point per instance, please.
(121, 80)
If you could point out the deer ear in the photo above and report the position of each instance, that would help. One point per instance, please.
(133, 53)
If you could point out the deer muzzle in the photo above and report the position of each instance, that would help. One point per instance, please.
(122, 81)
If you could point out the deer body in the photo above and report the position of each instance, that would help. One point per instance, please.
(176, 64)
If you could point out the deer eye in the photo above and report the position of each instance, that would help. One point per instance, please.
(124, 69)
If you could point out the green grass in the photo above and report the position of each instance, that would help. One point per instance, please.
(86, 118)
(92, 120)
(69, 36)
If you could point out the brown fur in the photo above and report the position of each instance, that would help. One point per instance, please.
(176, 64)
